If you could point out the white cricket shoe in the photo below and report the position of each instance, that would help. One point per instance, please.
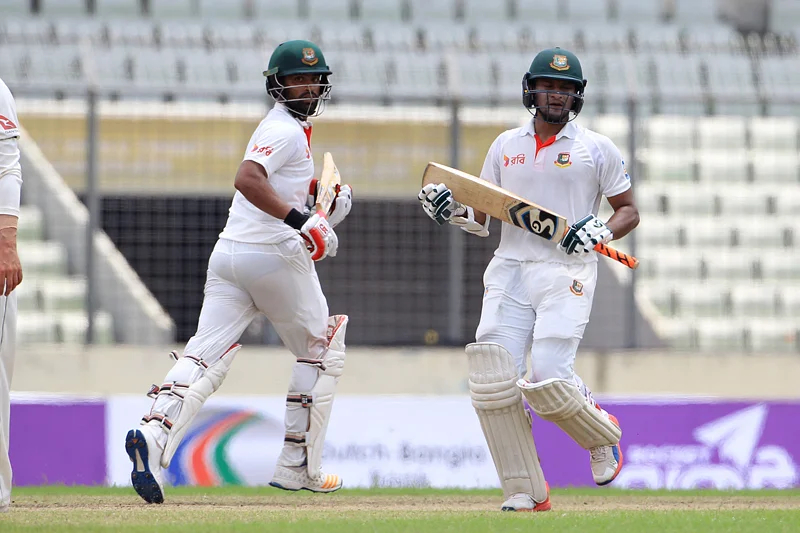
(144, 452)
(522, 502)
(606, 460)
(296, 478)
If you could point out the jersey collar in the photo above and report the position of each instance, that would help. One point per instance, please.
(283, 110)
(570, 130)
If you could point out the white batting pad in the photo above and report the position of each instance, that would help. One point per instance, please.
(505, 422)
(188, 400)
(560, 401)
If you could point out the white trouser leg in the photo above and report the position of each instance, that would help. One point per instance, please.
(507, 318)
(227, 310)
(8, 330)
(287, 291)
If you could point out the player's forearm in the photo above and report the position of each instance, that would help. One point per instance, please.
(256, 188)
(623, 221)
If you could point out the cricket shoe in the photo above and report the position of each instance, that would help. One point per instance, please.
(522, 502)
(606, 460)
(144, 452)
(296, 478)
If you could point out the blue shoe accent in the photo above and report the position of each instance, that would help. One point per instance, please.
(615, 451)
(279, 486)
(143, 480)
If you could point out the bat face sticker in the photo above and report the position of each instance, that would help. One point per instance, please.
(534, 220)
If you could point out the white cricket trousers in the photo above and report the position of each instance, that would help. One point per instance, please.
(538, 308)
(8, 347)
(278, 280)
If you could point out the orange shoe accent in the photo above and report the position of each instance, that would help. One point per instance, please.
(539, 507)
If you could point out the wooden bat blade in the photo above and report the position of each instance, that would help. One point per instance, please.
(509, 208)
(498, 202)
(328, 180)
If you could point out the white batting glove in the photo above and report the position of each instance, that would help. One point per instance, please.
(320, 238)
(439, 204)
(584, 235)
(341, 205)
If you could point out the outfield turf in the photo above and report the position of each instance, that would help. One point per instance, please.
(200, 510)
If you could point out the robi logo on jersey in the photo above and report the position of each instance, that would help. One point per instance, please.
(7, 124)
(265, 150)
(517, 159)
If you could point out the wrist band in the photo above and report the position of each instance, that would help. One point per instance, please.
(295, 219)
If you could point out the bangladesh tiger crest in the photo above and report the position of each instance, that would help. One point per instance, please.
(309, 57)
(576, 288)
(559, 63)
(562, 161)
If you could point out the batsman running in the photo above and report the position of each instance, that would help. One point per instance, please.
(538, 295)
(263, 262)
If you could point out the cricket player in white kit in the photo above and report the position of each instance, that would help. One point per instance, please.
(10, 273)
(263, 262)
(538, 296)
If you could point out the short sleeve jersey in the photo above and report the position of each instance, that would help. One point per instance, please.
(280, 144)
(569, 174)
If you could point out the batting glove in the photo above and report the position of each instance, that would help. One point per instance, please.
(584, 235)
(439, 204)
(320, 238)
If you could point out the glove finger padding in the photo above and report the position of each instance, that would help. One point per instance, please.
(341, 205)
(438, 202)
(585, 234)
(320, 238)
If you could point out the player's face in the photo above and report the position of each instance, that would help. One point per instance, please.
(302, 87)
(556, 103)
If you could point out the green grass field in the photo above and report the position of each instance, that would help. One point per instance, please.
(199, 510)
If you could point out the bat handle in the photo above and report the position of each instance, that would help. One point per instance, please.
(627, 260)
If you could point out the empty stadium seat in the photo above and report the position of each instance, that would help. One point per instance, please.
(789, 299)
(603, 37)
(702, 300)
(722, 132)
(732, 85)
(425, 10)
(31, 223)
(694, 12)
(636, 12)
(42, 257)
(780, 75)
(656, 39)
(63, 294)
(723, 166)
(773, 335)
(28, 296)
(686, 199)
(453, 37)
(671, 132)
(544, 11)
(214, 10)
(420, 76)
(393, 37)
(729, 264)
(355, 78)
(765, 233)
(775, 167)
(744, 199)
(714, 39)
(679, 83)
(60, 8)
(782, 267)
(181, 34)
(121, 9)
(15, 7)
(668, 263)
(773, 133)
(71, 328)
(668, 165)
(707, 232)
(661, 296)
(388, 11)
(35, 327)
(661, 231)
(331, 11)
(787, 201)
(751, 300)
(720, 334)
(474, 76)
(276, 10)
(587, 11)
(784, 15)
(480, 11)
(679, 333)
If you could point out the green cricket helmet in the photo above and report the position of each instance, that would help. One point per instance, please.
(298, 57)
(558, 64)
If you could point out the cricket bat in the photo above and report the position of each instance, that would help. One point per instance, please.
(510, 208)
(327, 185)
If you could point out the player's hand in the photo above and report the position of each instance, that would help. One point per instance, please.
(320, 238)
(10, 268)
(341, 205)
(585, 234)
(311, 198)
(439, 204)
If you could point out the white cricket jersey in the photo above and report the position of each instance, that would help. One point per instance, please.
(10, 171)
(569, 174)
(280, 144)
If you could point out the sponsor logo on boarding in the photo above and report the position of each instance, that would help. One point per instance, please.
(309, 57)
(562, 161)
(559, 62)
(263, 150)
(7, 124)
(727, 454)
(576, 288)
(518, 159)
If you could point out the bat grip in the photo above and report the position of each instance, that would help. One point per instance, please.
(627, 260)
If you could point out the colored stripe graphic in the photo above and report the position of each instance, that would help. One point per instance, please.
(226, 472)
(179, 467)
(203, 475)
